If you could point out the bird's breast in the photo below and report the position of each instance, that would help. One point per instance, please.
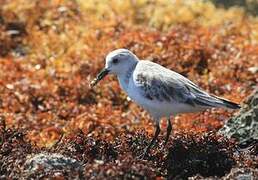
(136, 93)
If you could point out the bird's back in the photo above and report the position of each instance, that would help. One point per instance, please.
(163, 86)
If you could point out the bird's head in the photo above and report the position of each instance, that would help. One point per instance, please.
(117, 62)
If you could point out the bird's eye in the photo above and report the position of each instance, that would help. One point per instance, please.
(115, 61)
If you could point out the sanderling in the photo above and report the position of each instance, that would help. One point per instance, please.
(160, 91)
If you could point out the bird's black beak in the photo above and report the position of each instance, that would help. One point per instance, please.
(100, 76)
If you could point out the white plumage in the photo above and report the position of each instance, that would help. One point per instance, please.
(158, 90)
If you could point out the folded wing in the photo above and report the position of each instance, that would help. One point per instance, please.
(159, 83)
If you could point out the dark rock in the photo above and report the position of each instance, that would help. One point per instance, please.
(244, 126)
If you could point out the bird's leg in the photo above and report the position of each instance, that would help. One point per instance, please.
(157, 131)
(169, 129)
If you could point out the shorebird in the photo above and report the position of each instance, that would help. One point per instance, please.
(160, 91)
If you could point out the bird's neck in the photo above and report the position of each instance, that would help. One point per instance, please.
(125, 77)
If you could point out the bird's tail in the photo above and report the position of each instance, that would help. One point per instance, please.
(227, 103)
(205, 99)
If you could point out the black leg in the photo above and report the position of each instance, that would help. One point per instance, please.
(157, 131)
(169, 129)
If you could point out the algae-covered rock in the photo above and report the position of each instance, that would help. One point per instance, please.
(51, 165)
(244, 126)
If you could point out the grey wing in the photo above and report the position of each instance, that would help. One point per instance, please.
(155, 85)
(158, 83)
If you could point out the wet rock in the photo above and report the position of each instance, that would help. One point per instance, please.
(52, 166)
(244, 126)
